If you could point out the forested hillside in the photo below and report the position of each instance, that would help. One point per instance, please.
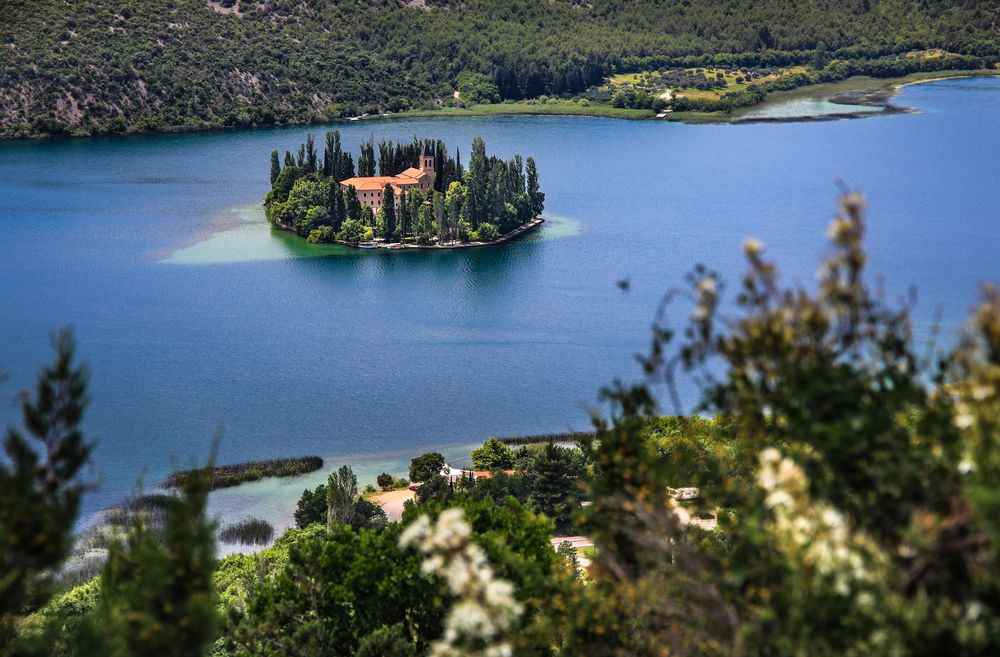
(98, 66)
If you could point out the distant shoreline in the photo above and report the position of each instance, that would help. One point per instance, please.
(568, 108)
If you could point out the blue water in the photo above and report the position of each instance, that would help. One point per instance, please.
(194, 316)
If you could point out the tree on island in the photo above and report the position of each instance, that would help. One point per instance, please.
(389, 213)
(491, 198)
(536, 198)
(275, 167)
(493, 455)
(426, 466)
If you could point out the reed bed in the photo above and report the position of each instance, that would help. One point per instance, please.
(568, 437)
(250, 531)
(225, 476)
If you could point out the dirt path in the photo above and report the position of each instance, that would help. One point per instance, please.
(392, 502)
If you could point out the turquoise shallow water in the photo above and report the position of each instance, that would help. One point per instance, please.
(194, 315)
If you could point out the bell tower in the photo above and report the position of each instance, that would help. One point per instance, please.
(427, 163)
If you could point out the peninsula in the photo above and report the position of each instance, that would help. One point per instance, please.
(421, 198)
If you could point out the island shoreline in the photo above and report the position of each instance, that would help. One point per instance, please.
(510, 236)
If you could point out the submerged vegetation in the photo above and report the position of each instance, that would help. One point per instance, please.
(312, 195)
(113, 66)
(224, 476)
(852, 483)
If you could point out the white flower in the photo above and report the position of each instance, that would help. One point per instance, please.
(752, 247)
(416, 533)
(838, 230)
(979, 393)
(779, 498)
(486, 608)
(964, 420)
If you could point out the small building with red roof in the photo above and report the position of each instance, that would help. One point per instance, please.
(370, 190)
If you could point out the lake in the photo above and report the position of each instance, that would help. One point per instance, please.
(194, 315)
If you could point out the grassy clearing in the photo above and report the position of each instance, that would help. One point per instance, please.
(728, 80)
(250, 531)
(560, 107)
(224, 476)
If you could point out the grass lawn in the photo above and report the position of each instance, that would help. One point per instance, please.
(563, 107)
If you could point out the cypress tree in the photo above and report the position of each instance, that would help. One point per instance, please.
(332, 156)
(536, 199)
(366, 161)
(352, 203)
(404, 215)
(346, 166)
(440, 184)
(289, 160)
(310, 159)
(339, 210)
(300, 158)
(275, 167)
(416, 200)
(389, 212)
(477, 181)
(440, 216)
(385, 163)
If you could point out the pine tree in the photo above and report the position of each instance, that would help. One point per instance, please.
(157, 594)
(40, 497)
(389, 212)
(275, 166)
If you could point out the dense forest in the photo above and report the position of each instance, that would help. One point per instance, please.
(490, 198)
(94, 67)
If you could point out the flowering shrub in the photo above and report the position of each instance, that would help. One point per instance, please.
(480, 620)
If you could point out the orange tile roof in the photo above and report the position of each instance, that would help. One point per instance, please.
(487, 474)
(412, 173)
(373, 183)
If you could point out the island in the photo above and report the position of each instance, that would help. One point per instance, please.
(421, 198)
